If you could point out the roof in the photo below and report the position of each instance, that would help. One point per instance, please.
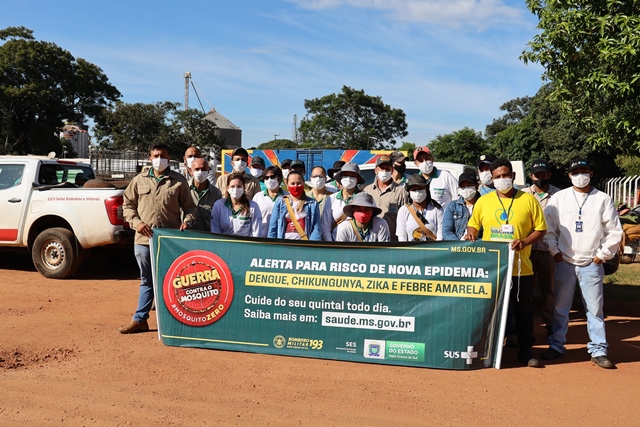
(221, 121)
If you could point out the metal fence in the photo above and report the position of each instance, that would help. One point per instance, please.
(623, 189)
(120, 164)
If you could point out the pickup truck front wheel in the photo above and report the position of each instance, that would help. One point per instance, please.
(55, 255)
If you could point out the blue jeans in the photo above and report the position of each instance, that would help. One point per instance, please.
(590, 280)
(145, 300)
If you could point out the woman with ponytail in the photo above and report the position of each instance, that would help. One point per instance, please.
(235, 214)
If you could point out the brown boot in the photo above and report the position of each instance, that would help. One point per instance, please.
(135, 326)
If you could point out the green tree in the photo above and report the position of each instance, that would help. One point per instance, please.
(589, 50)
(351, 120)
(515, 111)
(461, 146)
(277, 144)
(190, 128)
(409, 147)
(41, 86)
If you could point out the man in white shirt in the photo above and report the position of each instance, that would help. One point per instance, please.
(583, 231)
(442, 185)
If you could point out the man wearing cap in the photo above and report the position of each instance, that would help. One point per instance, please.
(239, 162)
(203, 193)
(442, 185)
(388, 195)
(256, 169)
(285, 165)
(584, 231)
(421, 219)
(399, 166)
(510, 215)
(458, 212)
(349, 177)
(543, 263)
(332, 183)
(363, 223)
(484, 172)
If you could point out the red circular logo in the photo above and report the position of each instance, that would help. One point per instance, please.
(198, 288)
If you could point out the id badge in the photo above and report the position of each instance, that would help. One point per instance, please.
(578, 226)
(507, 228)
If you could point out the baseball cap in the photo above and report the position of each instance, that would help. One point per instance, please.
(240, 152)
(579, 163)
(297, 164)
(485, 158)
(467, 176)
(540, 166)
(396, 156)
(257, 161)
(419, 150)
(384, 159)
(286, 163)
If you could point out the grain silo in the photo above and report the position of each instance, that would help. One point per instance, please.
(227, 131)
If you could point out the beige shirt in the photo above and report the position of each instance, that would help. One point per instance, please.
(251, 187)
(390, 200)
(543, 198)
(158, 204)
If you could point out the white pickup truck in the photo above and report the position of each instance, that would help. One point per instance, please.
(46, 209)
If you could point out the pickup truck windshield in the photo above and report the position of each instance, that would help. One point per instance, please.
(52, 174)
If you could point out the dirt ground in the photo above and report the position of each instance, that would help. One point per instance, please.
(63, 362)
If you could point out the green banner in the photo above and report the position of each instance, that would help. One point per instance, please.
(425, 304)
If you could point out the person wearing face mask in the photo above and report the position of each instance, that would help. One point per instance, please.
(256, 169)
(267, 198)
(398, 160)
(319, 191)
(295, 216)
(541, 258)
(510, 215)
(388, 195)
(190, 154)
(204, 194)
(363, 223)
(421, 219)
(235, 213)
(484, 172)
(584, 231)
(349, 177)
(332, 183)
(442, 185)
(239, 162)
(285, 166)
(156, 197)
(458, 212)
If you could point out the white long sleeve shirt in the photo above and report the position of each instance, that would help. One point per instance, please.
(570, 211)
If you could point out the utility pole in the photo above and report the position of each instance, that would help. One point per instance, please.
(187, 78)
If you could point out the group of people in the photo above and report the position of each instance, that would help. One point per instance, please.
(561, 237)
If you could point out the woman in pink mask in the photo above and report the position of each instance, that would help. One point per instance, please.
(363, 223)
(295, 216)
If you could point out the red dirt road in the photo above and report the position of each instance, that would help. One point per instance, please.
(63, 362)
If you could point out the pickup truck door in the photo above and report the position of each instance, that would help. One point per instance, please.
(14, 195)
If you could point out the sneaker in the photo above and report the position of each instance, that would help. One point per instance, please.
(135, 326)
(531, 362)
(550, 354)
(603, 362)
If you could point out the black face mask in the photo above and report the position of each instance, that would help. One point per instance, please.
(541, 183)
(400, 168)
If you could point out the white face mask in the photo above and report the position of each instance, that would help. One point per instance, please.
(239, 166)
(467, 193)
(426, 167)
(271, 183)
(580, 180)
(285, 173)
(318, 183)
(384, 176)
(160, 164)
(348, 182)
(418, 196)
(189, 161)
(256, 172)
(235, 192)
(503, 185)
(200, 176)
(485, 177)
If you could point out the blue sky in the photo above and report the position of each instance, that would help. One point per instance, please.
(447, 63)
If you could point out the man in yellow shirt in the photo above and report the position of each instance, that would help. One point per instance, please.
(510, 215)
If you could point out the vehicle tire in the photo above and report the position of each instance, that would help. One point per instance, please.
(627, 258)
(56, 254)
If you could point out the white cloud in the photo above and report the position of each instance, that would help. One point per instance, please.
(471, 14)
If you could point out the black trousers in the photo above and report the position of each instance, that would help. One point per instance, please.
(521, 297)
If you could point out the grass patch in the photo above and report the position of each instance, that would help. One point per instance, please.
(624, 284)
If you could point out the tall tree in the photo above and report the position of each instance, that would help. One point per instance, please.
(276, 144)
(461, 146)
(190, 128)
(351, 120)
(589, 50)
(41, 86)
(515, 111)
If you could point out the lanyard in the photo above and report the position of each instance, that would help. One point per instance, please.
(508, 211)
(580, 206)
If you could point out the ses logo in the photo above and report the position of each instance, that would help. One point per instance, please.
(469, 355)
